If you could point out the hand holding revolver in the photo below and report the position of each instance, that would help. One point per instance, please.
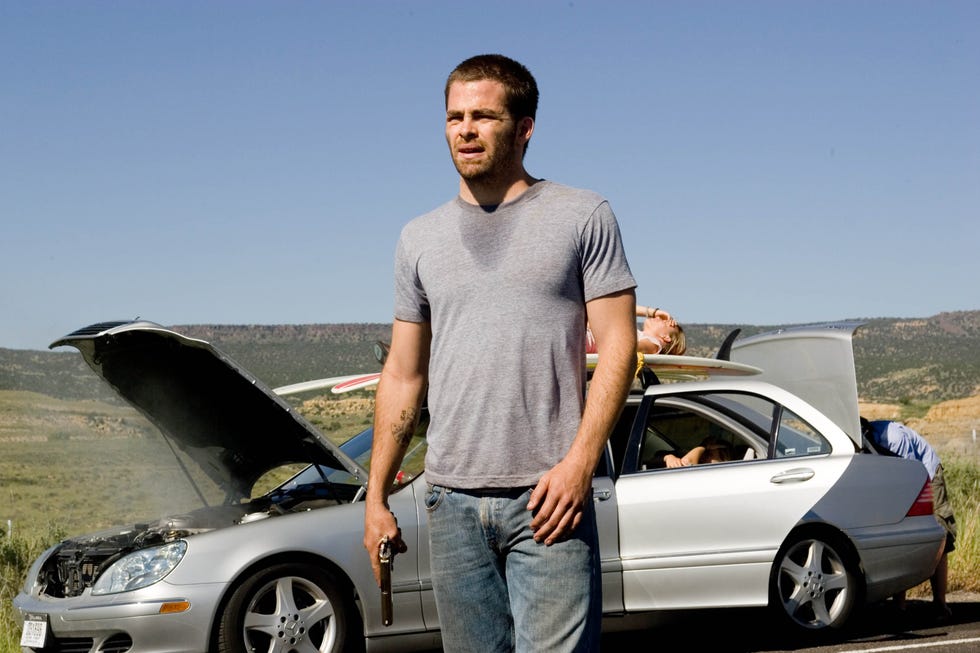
(382, 539)
(386, 560)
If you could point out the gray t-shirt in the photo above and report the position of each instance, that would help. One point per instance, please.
(504, 290)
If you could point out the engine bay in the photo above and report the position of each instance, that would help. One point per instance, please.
(77, 563)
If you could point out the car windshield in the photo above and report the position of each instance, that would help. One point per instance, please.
(359, 448)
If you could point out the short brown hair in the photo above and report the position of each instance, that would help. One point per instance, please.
(518, 82)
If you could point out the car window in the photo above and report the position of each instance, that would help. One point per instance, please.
(413, 463)
(730, 427)
(619, 439)
(675, 426)
(292, 478)
(797, 438)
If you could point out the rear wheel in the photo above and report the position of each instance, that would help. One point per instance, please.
(287, 607)
(814, 583)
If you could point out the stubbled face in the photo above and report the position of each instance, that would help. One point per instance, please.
(484, 140)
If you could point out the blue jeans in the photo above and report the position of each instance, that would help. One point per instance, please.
(497, 589)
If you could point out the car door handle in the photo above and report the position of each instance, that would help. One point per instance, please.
(601, 494)
(795, 475)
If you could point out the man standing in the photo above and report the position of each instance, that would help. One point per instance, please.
(899, 440)
(493, 291)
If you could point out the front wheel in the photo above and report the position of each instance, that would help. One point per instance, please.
(286, 607)
(814, 584)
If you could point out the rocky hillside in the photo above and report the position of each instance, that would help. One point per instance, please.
(900, 361)
(948, 424)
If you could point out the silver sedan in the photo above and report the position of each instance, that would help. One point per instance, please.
(796, 514)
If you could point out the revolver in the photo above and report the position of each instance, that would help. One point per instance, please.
(385, 557)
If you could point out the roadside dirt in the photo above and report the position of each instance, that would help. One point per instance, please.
(960, 596)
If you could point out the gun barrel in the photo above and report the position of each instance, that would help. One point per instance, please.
(385, 558)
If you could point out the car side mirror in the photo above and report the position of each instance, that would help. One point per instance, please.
(381, 350)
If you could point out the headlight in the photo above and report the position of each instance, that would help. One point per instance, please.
(140, 569)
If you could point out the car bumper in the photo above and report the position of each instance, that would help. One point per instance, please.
(135, 622)
(896, 559)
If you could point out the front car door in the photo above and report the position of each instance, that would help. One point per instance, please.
(706, 535)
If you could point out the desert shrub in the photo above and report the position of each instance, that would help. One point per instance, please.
(963, 478)
(17, 552)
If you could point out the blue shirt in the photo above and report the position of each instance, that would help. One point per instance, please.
(904, 442)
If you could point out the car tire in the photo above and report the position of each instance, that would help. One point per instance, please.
(814, 583)
(290, 606)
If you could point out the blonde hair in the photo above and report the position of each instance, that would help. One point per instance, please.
(678, 343)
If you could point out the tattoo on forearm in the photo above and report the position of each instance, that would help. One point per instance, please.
(403, 430)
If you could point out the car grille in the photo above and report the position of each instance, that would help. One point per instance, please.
(118, 643)
(66, 645)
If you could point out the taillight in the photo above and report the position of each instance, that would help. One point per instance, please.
(923, 503)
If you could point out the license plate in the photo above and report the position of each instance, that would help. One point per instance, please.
(35, 630)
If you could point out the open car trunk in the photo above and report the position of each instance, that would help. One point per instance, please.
(815, 363)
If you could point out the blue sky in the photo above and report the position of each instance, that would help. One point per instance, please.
(252, 162)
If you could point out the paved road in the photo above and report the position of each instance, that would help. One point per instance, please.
(878, 628)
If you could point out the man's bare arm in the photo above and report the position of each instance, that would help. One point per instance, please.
(560, 495)
(398, 402)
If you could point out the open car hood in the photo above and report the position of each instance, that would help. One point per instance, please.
(222, 417)
(816, 363)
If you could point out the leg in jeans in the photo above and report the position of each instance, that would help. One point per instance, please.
(467, 575)
(497, 589)
(555, 591)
